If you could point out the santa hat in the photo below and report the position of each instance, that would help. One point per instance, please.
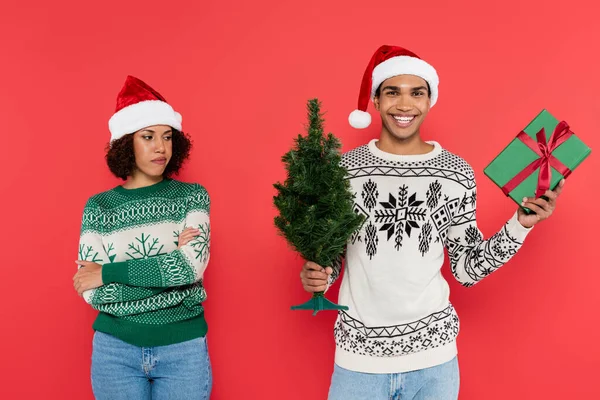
(387, 62)
(140, 106)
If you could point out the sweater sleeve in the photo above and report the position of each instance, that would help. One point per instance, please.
(336, 265)
(91, 248)
(90, 240)
(183, 266)
(471, 257)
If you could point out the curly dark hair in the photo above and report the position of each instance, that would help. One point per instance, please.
(120, 156)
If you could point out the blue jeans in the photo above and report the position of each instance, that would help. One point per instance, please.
(121, 371)
(436, 383)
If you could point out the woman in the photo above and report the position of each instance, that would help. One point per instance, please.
(143, 250)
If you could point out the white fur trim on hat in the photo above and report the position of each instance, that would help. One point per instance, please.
(405, 65)
(141, 115)
(359, 119)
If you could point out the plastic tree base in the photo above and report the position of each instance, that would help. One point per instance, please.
(319, 303)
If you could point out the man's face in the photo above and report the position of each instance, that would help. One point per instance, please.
(403, 103)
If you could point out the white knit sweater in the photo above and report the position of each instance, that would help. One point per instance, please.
(400, 318)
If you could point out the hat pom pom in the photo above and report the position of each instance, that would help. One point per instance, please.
(359, 119)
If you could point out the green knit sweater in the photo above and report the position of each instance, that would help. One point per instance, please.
(152, 293)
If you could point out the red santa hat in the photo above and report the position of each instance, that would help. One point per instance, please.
(140, 106)
(387, 62)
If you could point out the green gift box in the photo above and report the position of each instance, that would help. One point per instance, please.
(541, 155)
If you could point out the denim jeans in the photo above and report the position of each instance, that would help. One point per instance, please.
(121, 371)
(436, 383)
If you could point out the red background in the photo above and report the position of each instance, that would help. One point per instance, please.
(240, 72)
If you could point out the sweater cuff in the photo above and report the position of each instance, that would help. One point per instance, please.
(516, 230)
(115, 272)
(329, 283)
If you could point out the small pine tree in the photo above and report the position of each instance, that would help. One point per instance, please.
(315, 203)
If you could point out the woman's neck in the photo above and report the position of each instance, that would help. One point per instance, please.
(139, 180)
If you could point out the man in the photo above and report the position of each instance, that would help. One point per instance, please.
(398, 338)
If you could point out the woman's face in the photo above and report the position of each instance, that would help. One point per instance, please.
(153, 148)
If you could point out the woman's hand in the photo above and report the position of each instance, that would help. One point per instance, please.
(187, 236)
(89, 276)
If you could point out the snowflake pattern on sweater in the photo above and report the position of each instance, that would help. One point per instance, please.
(153, 290)
(415, 207)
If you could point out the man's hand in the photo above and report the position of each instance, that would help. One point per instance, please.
(187, 236)
(89, 276)
(314, 277)
(543, 208)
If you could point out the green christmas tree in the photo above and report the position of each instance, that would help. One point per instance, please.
(315, 203)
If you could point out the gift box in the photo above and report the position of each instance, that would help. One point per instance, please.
(537, 159)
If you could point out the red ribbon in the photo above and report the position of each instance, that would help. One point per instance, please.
(544, 150)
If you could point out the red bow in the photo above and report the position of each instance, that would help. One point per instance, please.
(544, 150)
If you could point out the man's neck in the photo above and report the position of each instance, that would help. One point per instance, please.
(138, 180)
(410, 146)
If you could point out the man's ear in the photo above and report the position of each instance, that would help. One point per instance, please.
(376, 102)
